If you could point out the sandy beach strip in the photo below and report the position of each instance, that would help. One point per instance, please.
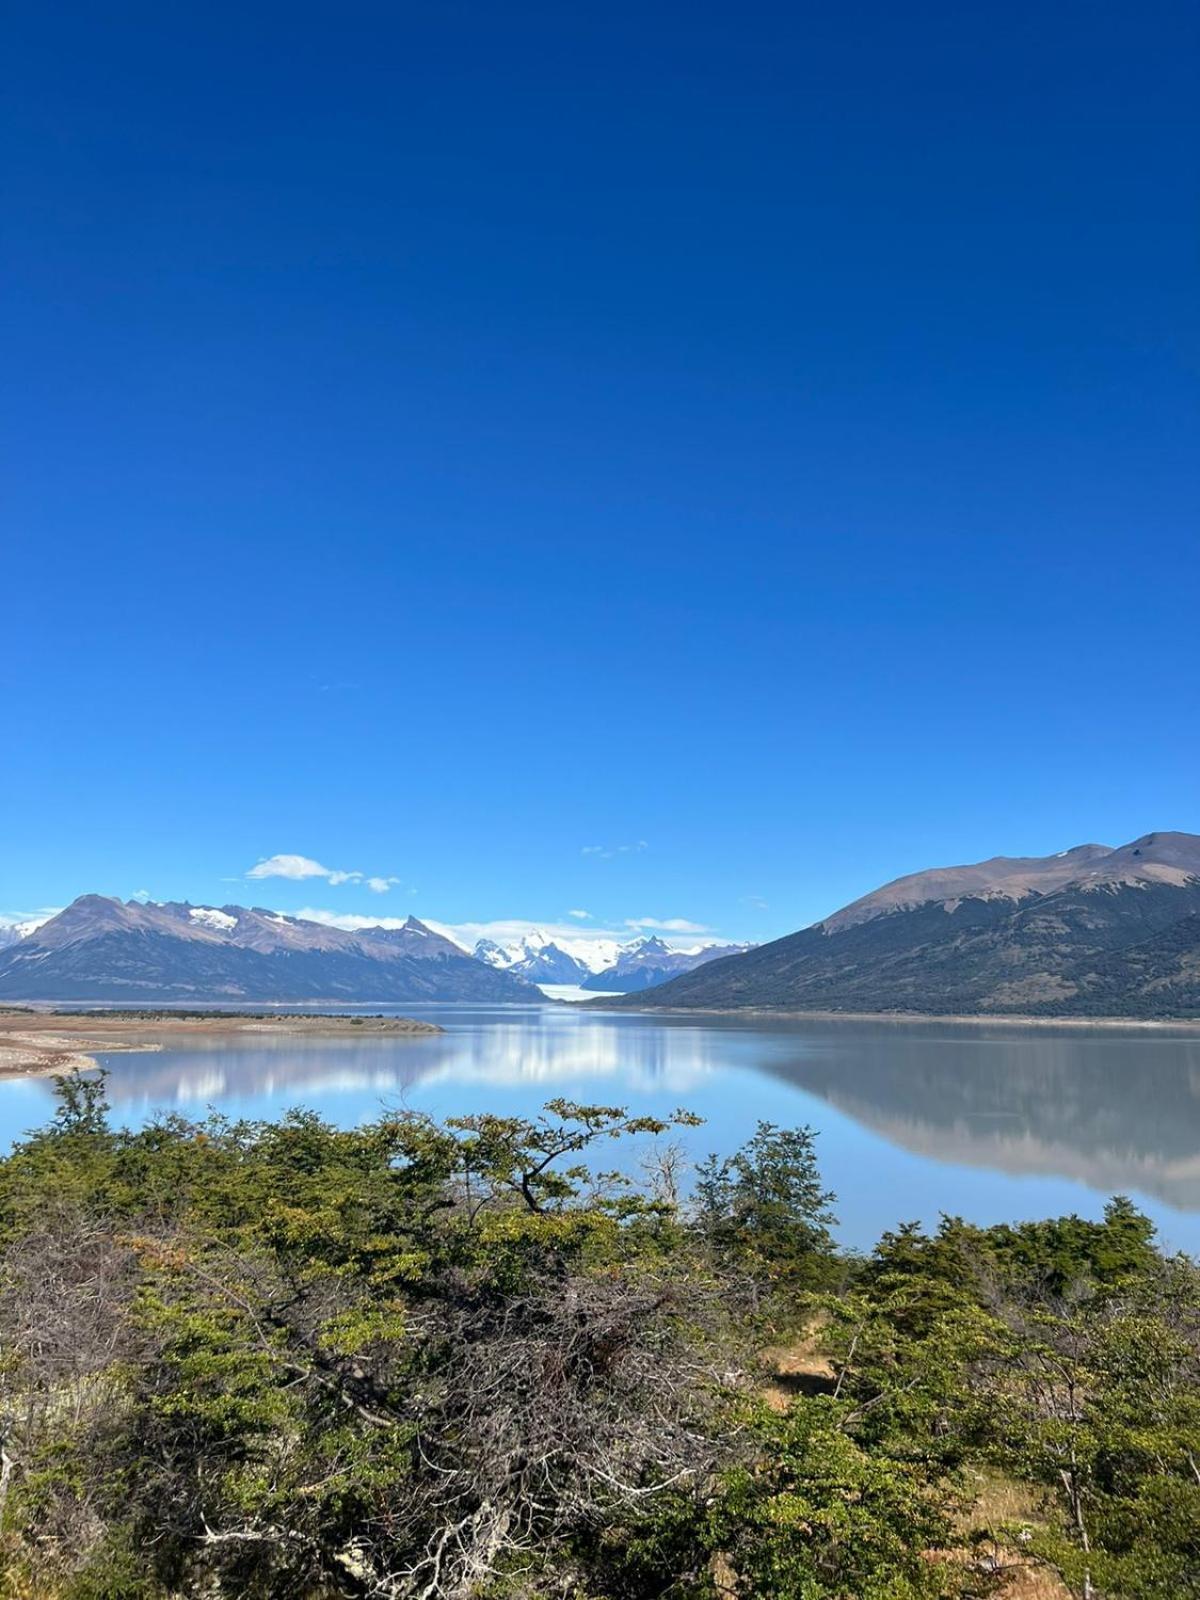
(40, 1043)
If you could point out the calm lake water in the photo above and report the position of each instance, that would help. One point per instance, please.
(993, 1122)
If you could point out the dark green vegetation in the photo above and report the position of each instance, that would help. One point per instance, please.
(413, 1359)
(1107, 950)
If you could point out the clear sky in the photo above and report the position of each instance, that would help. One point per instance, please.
(676, 462)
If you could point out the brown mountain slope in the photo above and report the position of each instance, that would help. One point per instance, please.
(1119, 938)
(110, 950)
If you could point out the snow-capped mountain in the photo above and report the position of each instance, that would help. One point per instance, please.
(535, 957)
(598, 964)
(11, 932)
(102, 949)
(644, 963)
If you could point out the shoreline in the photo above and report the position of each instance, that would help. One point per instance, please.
(39, 1044)
(970, 1018)
(43, 1043)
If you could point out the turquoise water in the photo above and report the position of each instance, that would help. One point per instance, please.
(993, 1123)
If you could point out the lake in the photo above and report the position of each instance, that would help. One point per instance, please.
(993, 1122)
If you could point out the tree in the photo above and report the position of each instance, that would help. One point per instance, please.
(765, 1210)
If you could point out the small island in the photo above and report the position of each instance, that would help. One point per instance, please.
(38, 1043)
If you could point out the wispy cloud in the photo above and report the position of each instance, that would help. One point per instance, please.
(755, 901)
(606, 852)
(580, 916)
(667, 924)
(299, 868)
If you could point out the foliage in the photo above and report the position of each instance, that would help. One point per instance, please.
(816, 1516)
(764, 1210)
(417, 1359)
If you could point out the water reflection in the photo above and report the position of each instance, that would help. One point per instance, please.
(1115, 1109)
(527, 1048)
(1109, 1109)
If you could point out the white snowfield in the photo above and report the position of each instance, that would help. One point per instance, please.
(210, 917)
(595, 955)
(13, 932)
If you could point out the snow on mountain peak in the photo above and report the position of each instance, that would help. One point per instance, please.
(210, 917)
(14, 932)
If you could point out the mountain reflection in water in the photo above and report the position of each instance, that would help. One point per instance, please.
(899, 1104)
(1113, 1109)
(525, 1047)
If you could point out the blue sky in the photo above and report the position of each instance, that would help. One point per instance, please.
(678, 463)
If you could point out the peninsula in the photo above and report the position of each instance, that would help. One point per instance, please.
(38, 1043)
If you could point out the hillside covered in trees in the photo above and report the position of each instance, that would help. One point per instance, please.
(420, 1360)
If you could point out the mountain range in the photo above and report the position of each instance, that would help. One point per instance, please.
(1091, 932)
(604, 965)
(648, 962)
(534, 957)
(108, 950)
(111, 950)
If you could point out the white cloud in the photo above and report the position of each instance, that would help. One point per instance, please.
(580, 916)
(511, 930)
(667, 924)
(294, 867)
(298, 868)
(606, 852)
(349, 921)
(756, 901)
(27, 921)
